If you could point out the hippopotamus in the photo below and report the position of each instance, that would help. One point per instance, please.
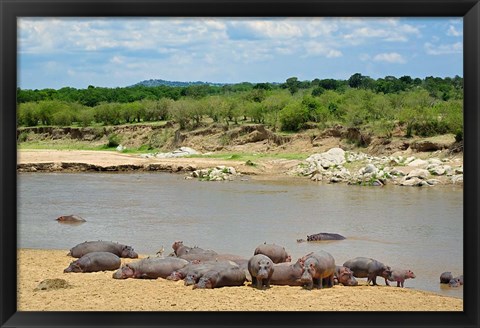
(287, 274)
(446, 277)
(344, 276)
(233, 276)
(70, 219)
(319, 267)
(323, 236)
(456, 282)
(95, 261)
(192, 272)
(364, 267)
(193, 253)
(400, 276)
(103, 246)
(276, 253)
(150, 268)
(261, 269)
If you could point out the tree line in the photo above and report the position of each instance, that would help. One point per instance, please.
(425, 106)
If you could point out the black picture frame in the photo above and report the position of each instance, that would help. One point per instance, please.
(10, 10)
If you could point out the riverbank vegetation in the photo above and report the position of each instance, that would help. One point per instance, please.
(423, 107)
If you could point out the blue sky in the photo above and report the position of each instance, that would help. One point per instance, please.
(117, 52)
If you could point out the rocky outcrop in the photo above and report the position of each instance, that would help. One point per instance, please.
(337, 165)
(219, 173)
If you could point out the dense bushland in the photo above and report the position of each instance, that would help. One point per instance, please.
(424, 107)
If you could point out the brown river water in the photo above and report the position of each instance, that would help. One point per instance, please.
(405, 227)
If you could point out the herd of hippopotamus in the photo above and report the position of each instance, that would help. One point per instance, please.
(270, 264)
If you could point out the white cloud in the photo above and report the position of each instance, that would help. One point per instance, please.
(443, 49)
(313, 48)
(452, 31)
(392, 57)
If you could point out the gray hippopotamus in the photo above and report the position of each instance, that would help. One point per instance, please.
(233, 276)
(276, 253)
(261, 269)
(70, 219)
(400, 276)
(319, 267)
(456, 282)
(325, 236)
(103, 246)
(192, 272)
(150, 268)
(344, 276)
(287, 274)
(445, 277)
(95, 261)
(364, 267)
(193, 253)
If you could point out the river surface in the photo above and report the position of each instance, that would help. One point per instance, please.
(405, 227)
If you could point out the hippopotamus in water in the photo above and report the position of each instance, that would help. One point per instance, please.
(287, 274)
(95, 261)
(323, 236)
(276, 253)
(456, 282)
(233, 276)
(400, 276)
(319, 267)
(150, 268)
(364, 267)
(445, 277)
(344, 276)
(261, 269)
(103, 246)
(70, 219)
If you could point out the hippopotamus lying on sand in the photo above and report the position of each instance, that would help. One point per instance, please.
(70, 219)
(400, 276)
(193, 253)
(103, 246)
(319, 267)
(276, 253)
(261, 269)
(364, 267)
(287, 274)
(94, 261)
(150, 268)
(215, 278)
(344, 276)
(193, 271)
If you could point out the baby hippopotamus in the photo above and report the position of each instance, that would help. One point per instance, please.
(400, 276)
(456, 282)
(344, 276)
(445, 277)
(93, 262)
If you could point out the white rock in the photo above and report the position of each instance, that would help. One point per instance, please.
(418, 163)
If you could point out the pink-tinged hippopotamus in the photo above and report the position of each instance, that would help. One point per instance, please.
(103, 246)
(193, 271)
(319, 267)
(276, 253)
(70, 219)
(93, 262)
(261, 269)
(344, 276)
(287, 274)
(216, 278)
(150, 268)
(456, 282)
(400, 276)
(364, 267)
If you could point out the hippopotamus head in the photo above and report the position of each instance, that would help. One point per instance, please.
(73, 267)
(123, 273)
(385, 272)
(206, 281)
(455, 282)
(409, 274)
(347, 279)
(175, 276)
(176, 245)
(127, 251)
(308, 270)
(191, 278)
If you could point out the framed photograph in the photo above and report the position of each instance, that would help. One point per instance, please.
(166, 144)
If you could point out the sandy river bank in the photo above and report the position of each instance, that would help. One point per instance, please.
(100, 292)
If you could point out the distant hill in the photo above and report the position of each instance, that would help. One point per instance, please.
(158, 82)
